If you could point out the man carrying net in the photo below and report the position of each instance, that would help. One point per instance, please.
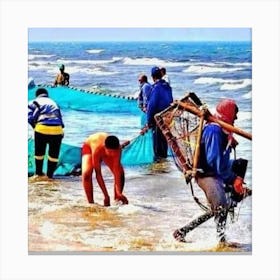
(216, 170)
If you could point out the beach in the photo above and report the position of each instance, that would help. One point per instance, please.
(59, 218)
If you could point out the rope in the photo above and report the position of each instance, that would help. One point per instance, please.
(201, 205)
(93, 92)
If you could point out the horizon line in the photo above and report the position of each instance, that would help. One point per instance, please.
(121, 41)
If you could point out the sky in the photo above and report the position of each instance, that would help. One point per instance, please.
(139, 34)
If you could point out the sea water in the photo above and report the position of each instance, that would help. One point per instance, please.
(61, 220)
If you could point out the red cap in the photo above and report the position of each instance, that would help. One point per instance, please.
(226, 111)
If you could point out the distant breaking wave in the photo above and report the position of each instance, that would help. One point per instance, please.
(152, 61)
(233, 86)
(227, 84)
(207, 69)
(248, 95)
(52, 69)
(34, 56)
(94, 51)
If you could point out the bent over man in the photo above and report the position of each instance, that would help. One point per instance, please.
(97, 148)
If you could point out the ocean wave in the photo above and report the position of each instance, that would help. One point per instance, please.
(152, 61)
(87, 61)
(236, 85)
(247, 95)
(100, 71)
(52, 69)
(35, 56)
(206, 69)
(227, 84)
(94, 51)
(243, 118)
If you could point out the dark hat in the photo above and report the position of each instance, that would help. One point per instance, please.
(41, 91)
(155, 71)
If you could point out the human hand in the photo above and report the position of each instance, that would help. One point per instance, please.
(125, 143)
(238, 185)
(144, 129)
(122, 198)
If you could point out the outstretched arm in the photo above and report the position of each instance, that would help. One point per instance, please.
(119, 177)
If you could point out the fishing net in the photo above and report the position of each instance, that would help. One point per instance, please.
(182, 128)
(139, 151)
(69, 160)
(84, 100)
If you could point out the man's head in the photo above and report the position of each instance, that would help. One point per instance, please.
(163, 71)
(156, 73)
(226, 111)
(112, 142)
(112, 146)
(42, 92)
(142, 79)
(61, 67)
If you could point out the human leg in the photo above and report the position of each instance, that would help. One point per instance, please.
(54, 149)
(215, 194)
(87, 170)
(179, 234)
(159, 144)
(40, 149)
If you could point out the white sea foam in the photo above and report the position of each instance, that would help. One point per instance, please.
(227, 84)
(94, 51)
(47, 229)
(248, 95)
(128, 209)
(205, 69)
(90, 71)
(35, 56)
(52, 68)
(236, 85)
(209, 80)
(87, 61)
(152, 61)
(243, 64)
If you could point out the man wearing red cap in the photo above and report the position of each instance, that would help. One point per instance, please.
(216, 170)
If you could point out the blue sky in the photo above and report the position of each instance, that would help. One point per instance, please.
(139, 34)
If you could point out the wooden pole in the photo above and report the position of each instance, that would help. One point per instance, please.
(209, 117)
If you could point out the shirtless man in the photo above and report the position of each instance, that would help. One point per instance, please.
(97, 148)
(62, 78)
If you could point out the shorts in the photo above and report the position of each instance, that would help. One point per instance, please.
(86, 150)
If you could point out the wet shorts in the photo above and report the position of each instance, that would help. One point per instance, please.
(86, 150)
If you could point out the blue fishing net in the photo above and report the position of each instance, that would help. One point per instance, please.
(139, 151)
(83, 100)
(69, 160)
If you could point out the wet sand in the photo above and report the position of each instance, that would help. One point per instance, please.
(61, 221)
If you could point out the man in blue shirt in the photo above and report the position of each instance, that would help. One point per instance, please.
(217, 171)
(161, 97)
(145, 93)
